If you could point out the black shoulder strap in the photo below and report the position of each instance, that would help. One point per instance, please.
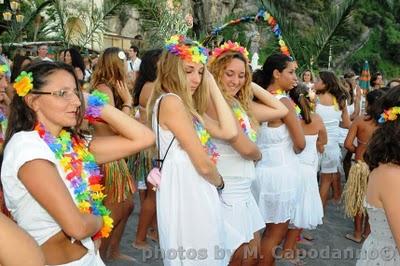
(160, 161)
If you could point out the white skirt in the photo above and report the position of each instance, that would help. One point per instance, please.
(277, 190)
(309, 210)
(240, 211)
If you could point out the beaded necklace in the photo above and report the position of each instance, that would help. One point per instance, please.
(83, 173)
(296, 107)
(244, 122)
(205, 140)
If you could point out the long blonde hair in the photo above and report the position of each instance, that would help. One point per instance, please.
(110, 68)
(171, 77)
(245, 95)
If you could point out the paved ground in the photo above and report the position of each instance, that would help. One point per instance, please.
(329, 248)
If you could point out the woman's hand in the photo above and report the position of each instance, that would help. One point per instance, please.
(124, 93)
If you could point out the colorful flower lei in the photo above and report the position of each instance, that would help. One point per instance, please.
(187, 49)
(83, 173)
(205, 140)
(23, 83)
(3, 124)
(244, 122)
(296, 107)
(4, 69)
(95, 104)
(230, 46)
(389, 115)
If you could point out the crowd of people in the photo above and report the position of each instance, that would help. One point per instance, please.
(230, 163)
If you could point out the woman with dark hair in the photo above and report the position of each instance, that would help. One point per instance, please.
(43, 140)
(309, 211)
(361, 130)
(331, 106)
(382, 196)
(144, 85)
(376, 81)
(277, 176)
(73, 57)
(19, 63)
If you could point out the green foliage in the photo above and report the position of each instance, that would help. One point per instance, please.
(159, 22)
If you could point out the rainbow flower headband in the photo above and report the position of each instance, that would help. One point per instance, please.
(4, 69)
(230, 46)
(187, 49)
(23, 83)
(389, 115)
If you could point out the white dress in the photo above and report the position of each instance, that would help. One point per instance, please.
(331, 158)
(239, 209)
(189, 213)
(277, 175)
(309, 211)
(23, 147)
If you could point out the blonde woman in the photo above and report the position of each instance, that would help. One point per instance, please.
(189, 211)
(229, 65)
(110, 77)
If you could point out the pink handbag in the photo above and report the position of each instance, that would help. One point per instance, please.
(154, 177)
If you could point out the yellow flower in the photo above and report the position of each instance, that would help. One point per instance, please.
(23, 83)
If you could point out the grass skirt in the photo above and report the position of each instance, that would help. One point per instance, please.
(355, 189)
(117, 181)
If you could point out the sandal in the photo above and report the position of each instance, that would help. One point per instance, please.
(352, 238)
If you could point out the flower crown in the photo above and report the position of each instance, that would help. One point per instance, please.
(187, 49)
(4, 69)
(389, 115)
(230, 46)
(23, 83)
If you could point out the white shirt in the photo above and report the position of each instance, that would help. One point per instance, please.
(134, 65)
(24, 147)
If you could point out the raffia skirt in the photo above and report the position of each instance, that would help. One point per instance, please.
(355, 189)
(117, 181)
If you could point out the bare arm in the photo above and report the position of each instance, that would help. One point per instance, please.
(225, 128)
(351, 135)
(40, 175)
(245, 147)
(174, 117)
(345, 119)
(17, 247)
(357, 105)
(270, 109)
(294, 127)
(390, 198)
(132, 137)
(322, 134)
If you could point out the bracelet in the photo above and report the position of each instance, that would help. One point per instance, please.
(127, 106)
(95, 104)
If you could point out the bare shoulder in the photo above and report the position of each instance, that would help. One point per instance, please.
(387, 176)
(104, 88)
(172, 103)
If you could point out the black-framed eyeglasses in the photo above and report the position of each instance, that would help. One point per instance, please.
(66, 94)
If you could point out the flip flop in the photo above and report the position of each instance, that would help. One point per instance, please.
(352, 238)
(307, 236)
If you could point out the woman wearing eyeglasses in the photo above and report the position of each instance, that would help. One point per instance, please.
(110, 77)
(50, 174)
